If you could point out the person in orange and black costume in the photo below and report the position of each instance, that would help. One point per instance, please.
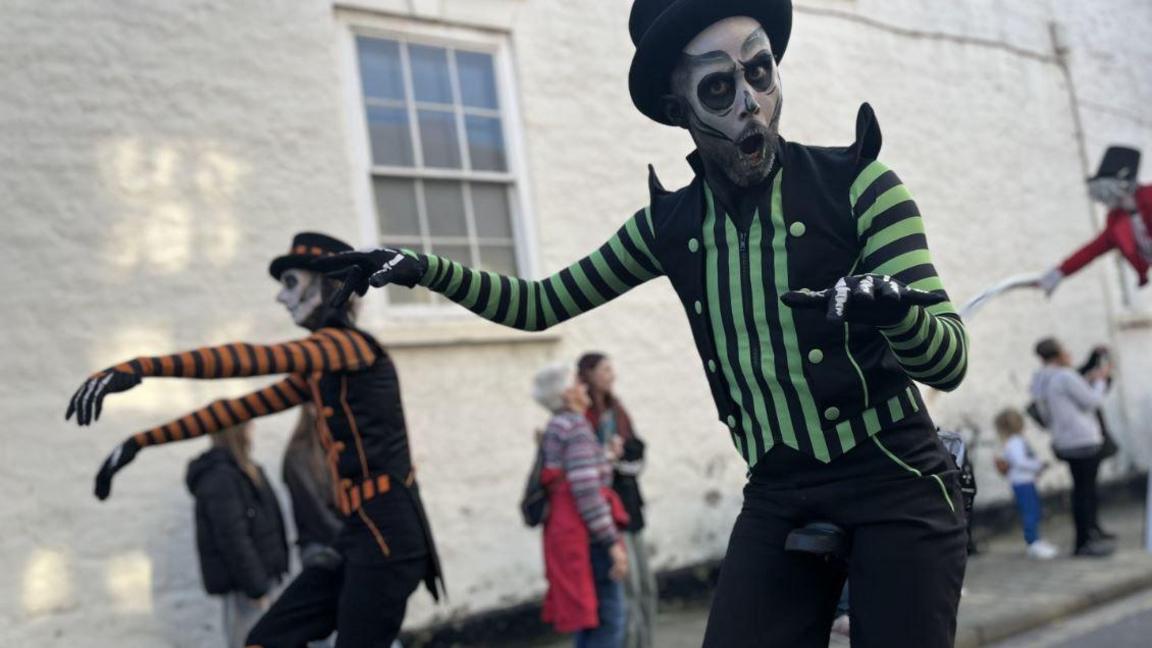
(386, 544)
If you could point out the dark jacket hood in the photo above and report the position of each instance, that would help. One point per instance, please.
(213, 459)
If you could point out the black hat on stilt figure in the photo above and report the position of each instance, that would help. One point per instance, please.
(307, 247)
(1119, 163)
(661, 28)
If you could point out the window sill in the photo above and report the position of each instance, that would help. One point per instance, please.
(422, 333)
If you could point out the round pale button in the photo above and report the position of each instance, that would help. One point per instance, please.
(693, 245)
(815, 356)
(699, 308)
(797, 229)
(832, 413)
(712, 366)
(732, 422)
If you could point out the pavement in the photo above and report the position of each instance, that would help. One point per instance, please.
(1005, 593)
(1126, 623)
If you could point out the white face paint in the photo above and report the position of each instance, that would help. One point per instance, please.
(729, 85)
(302, 294)
(1113, 192)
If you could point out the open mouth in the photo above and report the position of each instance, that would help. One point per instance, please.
(753, 145)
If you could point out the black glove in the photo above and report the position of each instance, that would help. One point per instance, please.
(878, 300)
(377, 268)
(121, 456)
(87, 402)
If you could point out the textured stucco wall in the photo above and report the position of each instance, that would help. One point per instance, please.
(157, 154)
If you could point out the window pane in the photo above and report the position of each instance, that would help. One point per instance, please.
(477, 79)
(380, 68)
(401, 296)
(501, 259)
(396, 207)
(430, 73)
(391, 138)
(458, 253)
(486, 143)
(490, 209)
(444, 200)
(438, 137)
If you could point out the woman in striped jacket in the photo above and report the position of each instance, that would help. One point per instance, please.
(584, 555)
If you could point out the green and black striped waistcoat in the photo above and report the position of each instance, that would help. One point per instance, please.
(784, 376)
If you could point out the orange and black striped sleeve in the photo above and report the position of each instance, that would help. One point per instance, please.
(226, 413)
(328, 349)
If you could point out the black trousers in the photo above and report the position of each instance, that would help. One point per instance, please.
(363, 604)
(1084, 500)
(364, 599)
(898, 497)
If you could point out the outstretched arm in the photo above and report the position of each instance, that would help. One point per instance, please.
(622, 263)
(929, 341)
(329, 349)
(1085, 255)
(217, 416)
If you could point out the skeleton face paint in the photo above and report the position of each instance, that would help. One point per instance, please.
(1113, 192)
(729, 87)
(302, 295)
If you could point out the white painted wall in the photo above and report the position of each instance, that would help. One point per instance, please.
(156, 155)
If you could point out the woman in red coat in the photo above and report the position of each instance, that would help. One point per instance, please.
(584, 554)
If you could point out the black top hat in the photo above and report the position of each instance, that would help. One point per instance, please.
(306, 248)
(661, 28)
(1120, 162)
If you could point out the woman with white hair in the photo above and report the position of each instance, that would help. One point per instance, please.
(584, 555)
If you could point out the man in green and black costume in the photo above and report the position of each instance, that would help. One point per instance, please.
(808, 285)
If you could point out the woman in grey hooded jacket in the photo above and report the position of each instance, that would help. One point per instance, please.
(1068, 403)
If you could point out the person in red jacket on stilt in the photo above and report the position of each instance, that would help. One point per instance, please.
(1129, 225)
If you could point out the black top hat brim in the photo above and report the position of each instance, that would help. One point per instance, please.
(290, 262)
(307, 248)
(659, 50)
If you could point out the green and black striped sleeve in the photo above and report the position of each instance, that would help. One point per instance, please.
(930, 343)
(622, 263)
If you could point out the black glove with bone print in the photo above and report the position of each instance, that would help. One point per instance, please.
(876, 300)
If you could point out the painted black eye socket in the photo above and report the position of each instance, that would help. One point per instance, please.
(717, 91)
(290, 281)
(759, 75)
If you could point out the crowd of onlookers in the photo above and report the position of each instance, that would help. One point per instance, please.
(1065, 402)
(585, 495)
(600, 586)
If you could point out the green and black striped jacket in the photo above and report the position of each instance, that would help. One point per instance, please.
(777, 375)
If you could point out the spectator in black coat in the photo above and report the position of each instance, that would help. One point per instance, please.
(239, 530)
(309, 482)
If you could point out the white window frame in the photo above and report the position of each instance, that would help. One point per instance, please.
(441, 35)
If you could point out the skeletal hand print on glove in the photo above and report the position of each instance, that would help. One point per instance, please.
(88, 400)
(376, 268)
(121, 456)
(879, 300)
